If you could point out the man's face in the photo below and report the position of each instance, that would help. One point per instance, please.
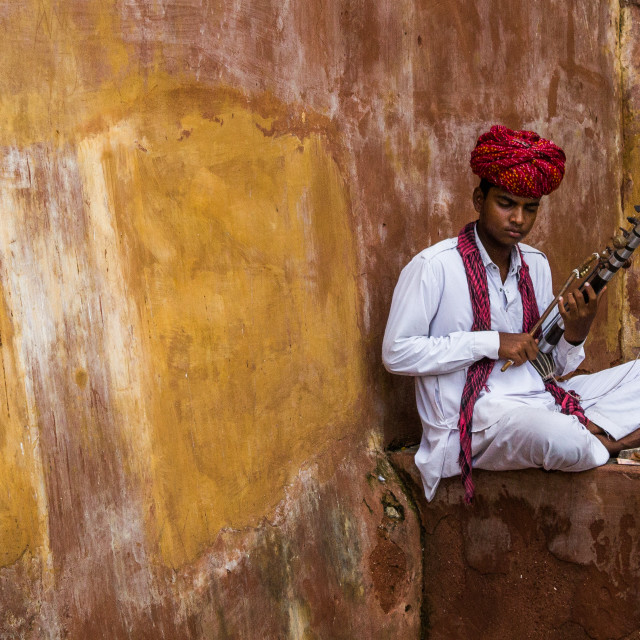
(504, 219)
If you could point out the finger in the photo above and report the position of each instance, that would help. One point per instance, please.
(572, 303)
(591, 294)
(531, 351)
(584, 299)
(581, 304)
(601, 294)
(567, 306)
(517, 356)
(561, 309)
(592, 302)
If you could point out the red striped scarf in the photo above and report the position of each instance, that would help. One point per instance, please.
(479, 371)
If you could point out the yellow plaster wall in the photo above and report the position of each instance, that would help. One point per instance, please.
(238, 276)
(238, 254)
(21, 528)
(224, 271)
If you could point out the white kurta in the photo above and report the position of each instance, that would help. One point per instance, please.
(429, 336)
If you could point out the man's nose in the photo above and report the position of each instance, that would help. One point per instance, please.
(517, 215)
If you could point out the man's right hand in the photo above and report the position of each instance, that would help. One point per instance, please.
(518, 347)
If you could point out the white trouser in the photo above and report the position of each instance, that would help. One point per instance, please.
(539, 437)
(611, 398)
(533, 437)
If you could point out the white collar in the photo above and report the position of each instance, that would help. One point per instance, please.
(514, 264)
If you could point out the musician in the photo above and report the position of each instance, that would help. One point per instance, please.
(463, 307)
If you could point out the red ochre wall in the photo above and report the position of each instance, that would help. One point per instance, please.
(205, 207)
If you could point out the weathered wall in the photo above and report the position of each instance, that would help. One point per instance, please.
(205, 208)
(540, 555)
(630, 68)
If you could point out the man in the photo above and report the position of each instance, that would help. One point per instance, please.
(464, 306)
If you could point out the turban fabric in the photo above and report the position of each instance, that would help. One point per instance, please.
(520, 162)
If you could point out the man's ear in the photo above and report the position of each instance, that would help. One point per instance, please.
(478, 199)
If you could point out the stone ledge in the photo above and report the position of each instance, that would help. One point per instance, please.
(538, 555)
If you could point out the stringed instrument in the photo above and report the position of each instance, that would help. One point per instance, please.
(600, 267)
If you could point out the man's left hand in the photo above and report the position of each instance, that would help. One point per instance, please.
(579, 313)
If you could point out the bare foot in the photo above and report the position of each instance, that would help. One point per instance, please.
(614, 447)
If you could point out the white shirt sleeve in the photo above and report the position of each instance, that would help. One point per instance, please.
(567, 357)
(408, 348)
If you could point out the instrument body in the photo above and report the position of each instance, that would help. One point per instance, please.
(553, 328)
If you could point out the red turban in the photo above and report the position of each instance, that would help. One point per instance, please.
(520, 162)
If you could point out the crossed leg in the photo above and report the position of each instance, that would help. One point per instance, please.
(611, 399)
(537, 437)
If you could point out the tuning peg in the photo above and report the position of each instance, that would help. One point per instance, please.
(619, 241)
